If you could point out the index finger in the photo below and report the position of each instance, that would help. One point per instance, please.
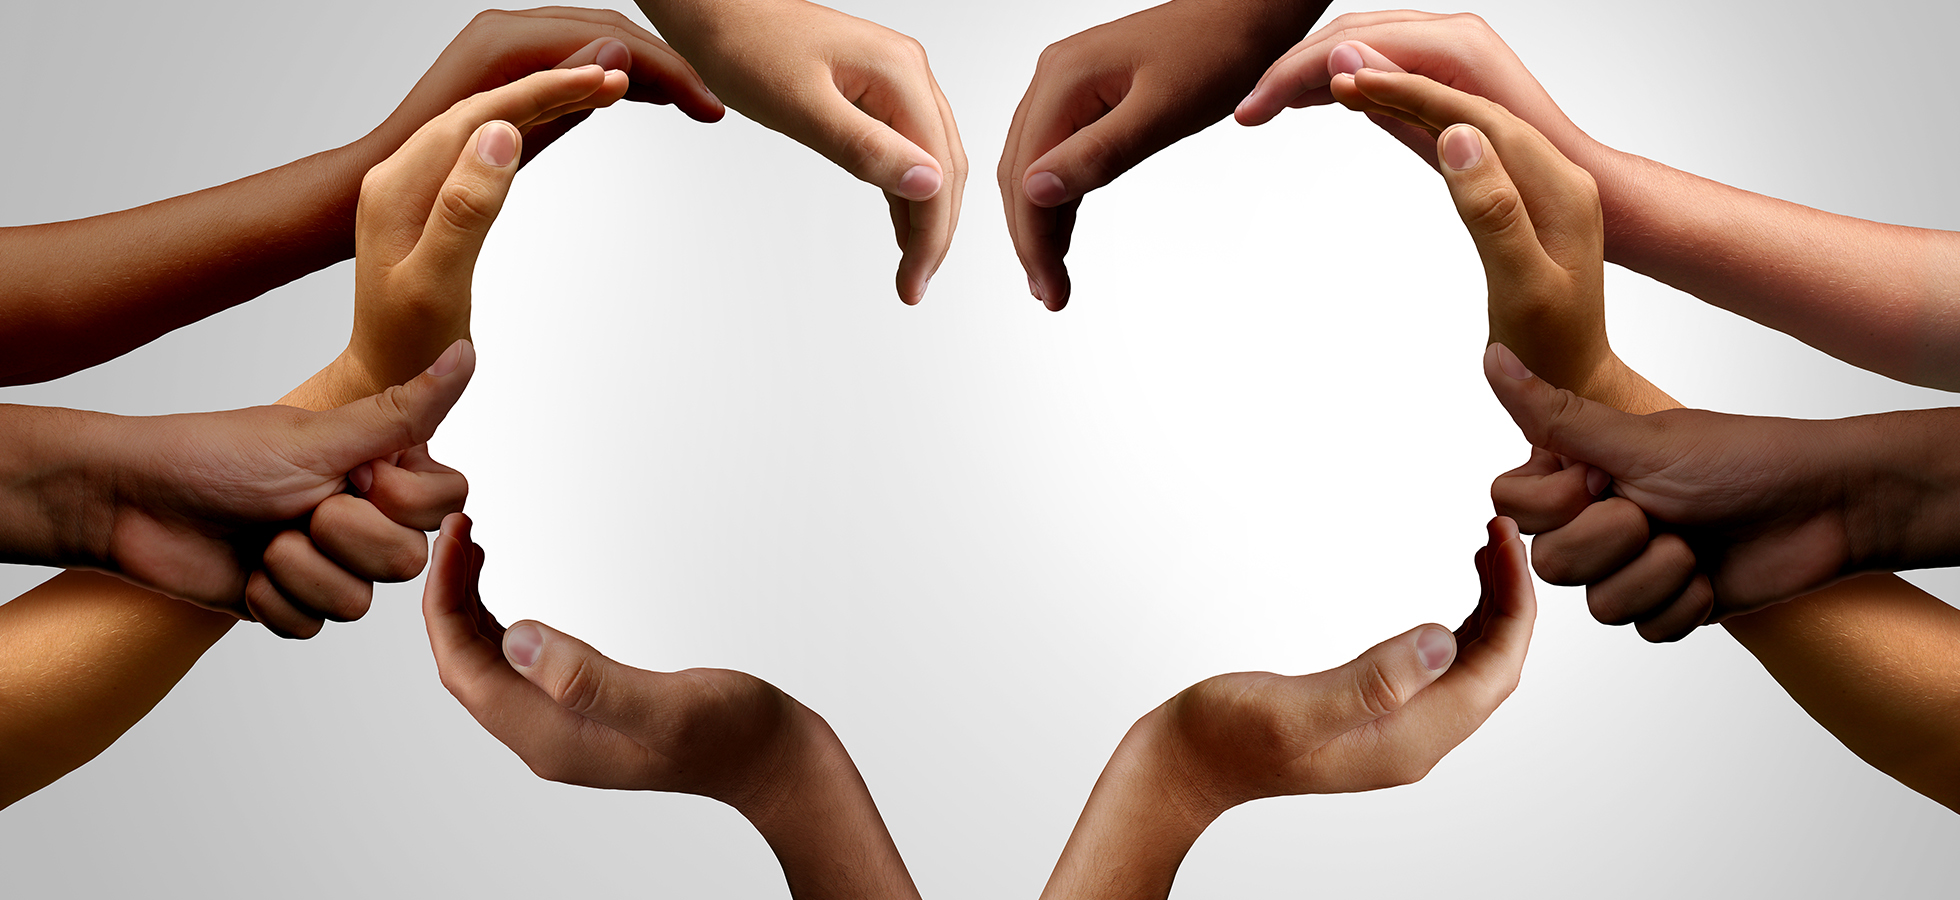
(659, 73)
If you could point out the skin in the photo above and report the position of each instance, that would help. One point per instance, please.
(82, 292)
(1883, 299)
(1104, 100)
(87, 656)
(1385, 719)
(575, 716)
(1871, 658)
(858, 93)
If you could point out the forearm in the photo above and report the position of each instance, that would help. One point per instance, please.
(1882, 297)
(78, 293)
(1876, 661)
(1140, 821)
(85, 657)
(52, 487)
(819, 818)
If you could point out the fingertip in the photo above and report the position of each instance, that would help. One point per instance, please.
(362, 477)
(1499, 358)
(614, 55)
(497, 144)
(919, 183)
(522, 644)
(1436, 647)
(1345, 59)
(1045, 189)
(1461, 147)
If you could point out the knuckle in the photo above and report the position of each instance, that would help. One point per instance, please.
(465, 206)
(1495, 210)
(1378, 693)
(405, 558)
(581, 688)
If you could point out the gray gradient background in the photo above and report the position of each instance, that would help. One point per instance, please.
(980, 538)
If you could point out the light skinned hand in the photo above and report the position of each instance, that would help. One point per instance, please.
(1711, 516)
(1385, 719)
(499, 47)
(242, 511)
(1104, 100)
(1458, 51)
(426, 210)
(859, 93)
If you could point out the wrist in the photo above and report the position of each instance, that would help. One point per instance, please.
(1902, 491)
(57, 486)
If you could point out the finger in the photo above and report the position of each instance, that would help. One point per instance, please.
(1054, 111)
(1565, 423)
(398, 193)
(873, 151)
(1643, 588)
(416, 491)
(1688, 611)
(1562, 213)
(467, 205)
(315, 584)
(364, 541)
(589, 683)
(1598, 542)
(1306, 73)
(1541, 495)
(655, 65)
(278, 613)
(914, 112)
(395, 419)
(1492, 208)
(1377, 683)
(1099, 151)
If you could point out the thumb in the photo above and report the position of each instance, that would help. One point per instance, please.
(1563, 422)
(470, 199)
(1379, 681)
(873, 151)
(395, 419)
(580, 678)
(1095, 155)
(1491, 208)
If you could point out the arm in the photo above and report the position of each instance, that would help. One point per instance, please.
(575, 716)
(860, 94)
(1384, 719)
(86, 656)
(1873, 659)
(1882, 297)
(1104, 100)
(77, 293)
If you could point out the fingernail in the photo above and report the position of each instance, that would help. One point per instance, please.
(448, 361)
(614, 56)
(590, 67)
(1035, 290)
(1345, 60)
(919, 183)
(521, 645)
(1463, 147)
(362, 477)
(1596, 480)
(1510, 363)
(496, 144)
(1045, 189)
(1435, 646)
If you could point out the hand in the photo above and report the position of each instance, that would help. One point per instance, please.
(1384, 719)
(1534, 216)
(207, 507)
(1104, 100)
(426, 210)
(858, 93)
(1754, 510)
(575, 716)
(1459, 51)
(500, 47)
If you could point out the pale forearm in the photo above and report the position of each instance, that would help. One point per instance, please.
(819, 818)
(1882, 297)
(78, 293)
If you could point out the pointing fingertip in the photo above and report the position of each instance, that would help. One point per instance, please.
(919, 183)
(1045, 189)
(496, 144)
(1462, 147)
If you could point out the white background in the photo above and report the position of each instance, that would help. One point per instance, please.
(980, 538)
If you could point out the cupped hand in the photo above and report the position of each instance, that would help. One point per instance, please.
(499, 47)
(1459, 51)
(1710, 515)
(859, 93)
(1534, 216)
(243, 511)
(1104, 100)
(426, 210)
(573, 715)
